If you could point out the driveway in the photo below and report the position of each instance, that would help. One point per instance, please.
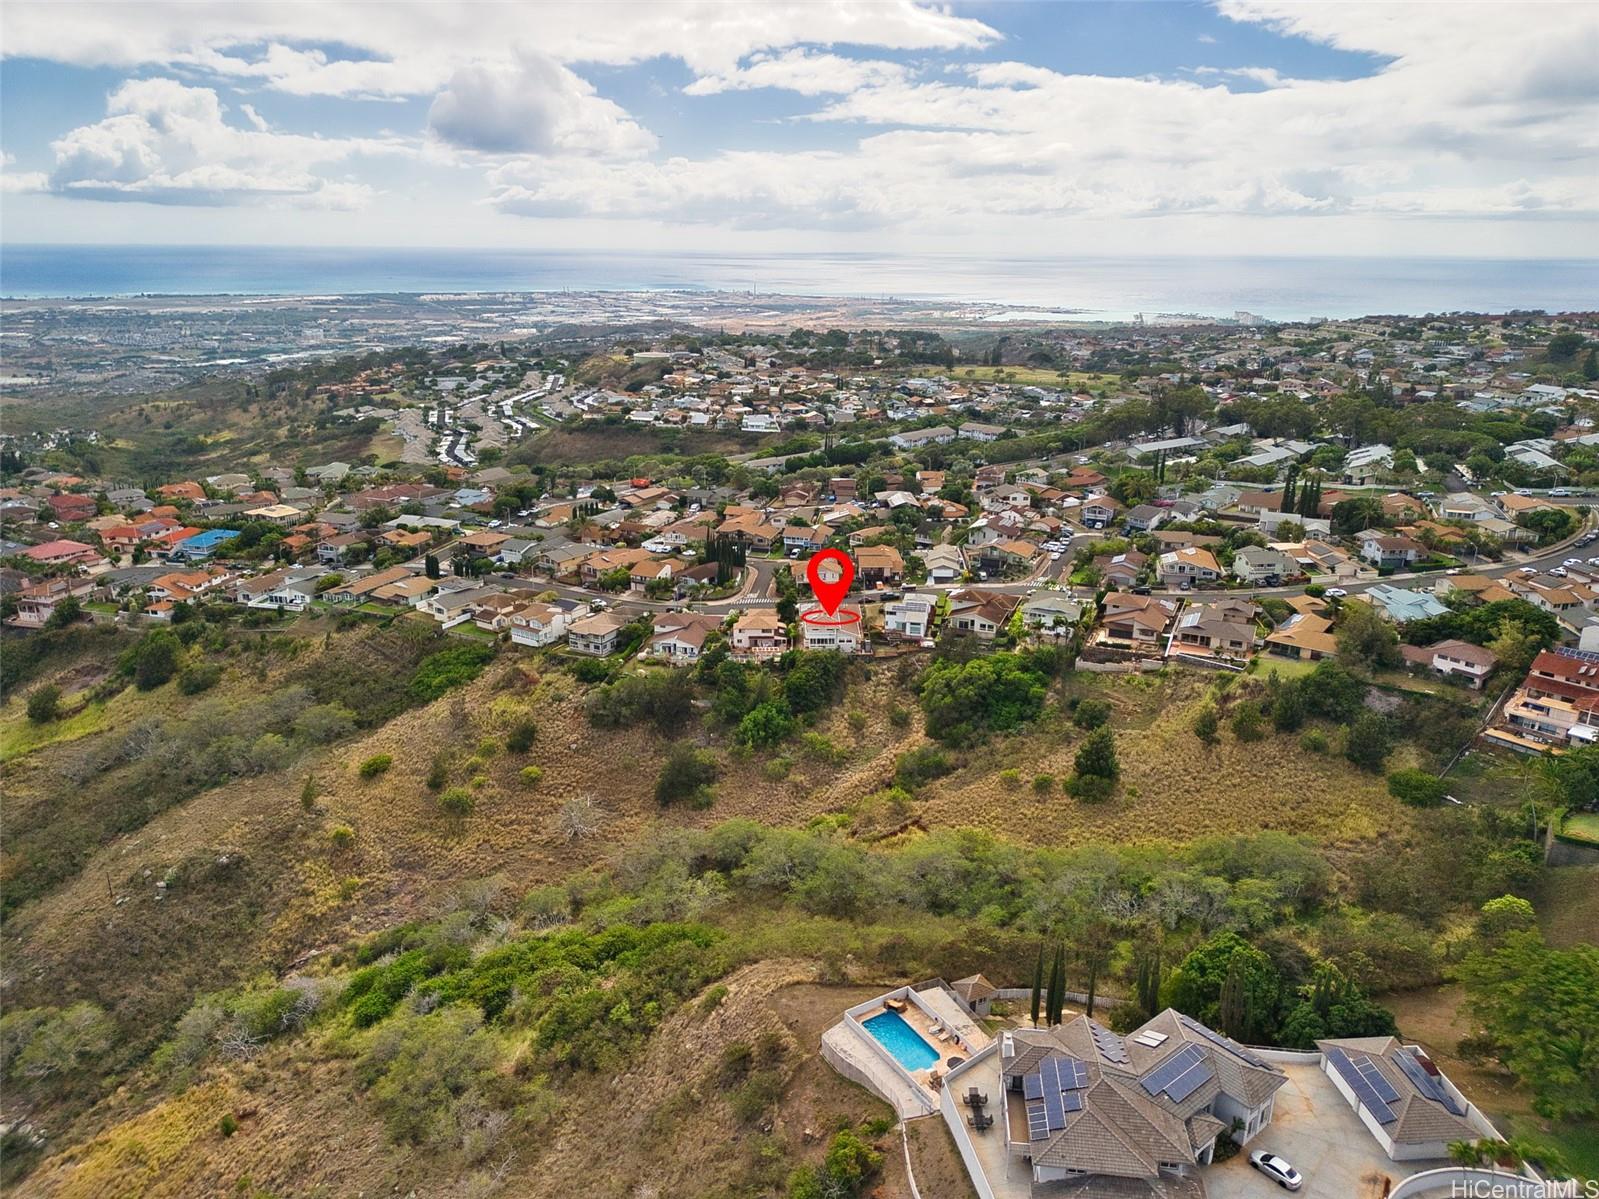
(1317, 1131)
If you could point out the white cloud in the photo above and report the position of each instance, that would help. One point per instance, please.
(167, 143)
(412, 48)
(536, 106)
(799, 71)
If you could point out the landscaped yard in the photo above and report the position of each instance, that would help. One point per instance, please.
(1583, 825)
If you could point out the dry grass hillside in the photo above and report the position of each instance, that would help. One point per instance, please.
(659, 1127)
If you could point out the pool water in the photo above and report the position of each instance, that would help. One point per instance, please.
(904, 1042)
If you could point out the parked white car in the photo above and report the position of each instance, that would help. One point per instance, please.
(1335, 593)
(1558, 571)
(1276, 1169)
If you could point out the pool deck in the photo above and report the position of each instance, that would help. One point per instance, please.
(858, 1055)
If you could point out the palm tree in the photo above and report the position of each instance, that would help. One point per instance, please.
(1465, 1153)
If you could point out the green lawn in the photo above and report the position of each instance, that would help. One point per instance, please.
(1584, 825)
(1286, 668)
(1577, 1143)
(21, 736)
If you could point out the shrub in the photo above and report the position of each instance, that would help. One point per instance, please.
(308, 792)
(438, 773)
(447, 668)
(765, 725)
(1368, 742)
(1097, 755)
(778, 769)
(857, 720)
(375, 765)
(1043, 784)
(44, 703)
(341, 836)
(531, 775)
(686, 776)
(228, 1125)
(1010, 776)
(199, 676)
(1417, 788)
(1091, 788)
(1206, 724)
(155, 659)
(1314, 741)
(899, 717)
(712, 999)
(457, 801)
(1246, 723)
(520, 739)
(921, 765)
(321, 723)
(1126, 1016)
(1091, 713)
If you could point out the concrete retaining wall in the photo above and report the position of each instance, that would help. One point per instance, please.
(1463, 1180)
(957, 1126)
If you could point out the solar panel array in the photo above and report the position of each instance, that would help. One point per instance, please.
(1111, 1047)
(1221, 1041)
(1429, 1086)
(1052, 1092)
(1180, 1074)
(1359, 1083)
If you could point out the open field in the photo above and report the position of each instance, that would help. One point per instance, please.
(1582, 825)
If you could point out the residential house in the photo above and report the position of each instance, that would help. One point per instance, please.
(944, 563)
(1121, 570)
(979, 612)
(1400, 1095)
(1098, 512)
(197, 546)
(680, 636)
(62, 552)
(1010, 554)
(357, 590)
(1389, 551)
(845, 638)
(70, 508)
(880, 564)
(1263, 565)
(1366, 463)
(288, 590)
(641, 574)
(451, 606)
(36, 602)
(1192, 567)
(759, 634)
(1139, 621)
(1052, 612)
(1461, 659)
(1128, 1116)
(1305, 637)
(538, 625)
(1223, 629)
(911, 617)
(1401, 606)
(493, 612)
(595, 635)
(1143, 518)
(331, 551)
(912, 439)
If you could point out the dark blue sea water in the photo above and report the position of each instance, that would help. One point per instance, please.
(1282, 288)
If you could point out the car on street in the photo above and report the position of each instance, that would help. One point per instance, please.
(1558, 571)
(1529, 570)
(1276, 1169)
(1335, 593)
(1572, 562)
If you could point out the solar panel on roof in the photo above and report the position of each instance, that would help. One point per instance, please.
(1037, 1122)
(1073, 1074)
(1110, 1046)
(1053, 1109)
(1189, 1081)
(1377, 1080)
(1071, 1101)
(1158, 1079)
(1362, 1089)
(1217, 1039)
(1032, 1086)
(1429, 1086)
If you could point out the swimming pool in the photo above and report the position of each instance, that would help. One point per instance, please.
(904, 1042)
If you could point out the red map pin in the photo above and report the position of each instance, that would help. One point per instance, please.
(832, 587)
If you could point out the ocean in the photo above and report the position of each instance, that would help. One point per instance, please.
(1095, 288)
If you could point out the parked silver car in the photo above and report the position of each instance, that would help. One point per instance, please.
(1276, 1169)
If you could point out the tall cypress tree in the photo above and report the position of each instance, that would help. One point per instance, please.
(1057, 985)
(1038, 982)
(1148, 982)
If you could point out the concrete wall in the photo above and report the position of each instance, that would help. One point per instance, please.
(1460, 1180)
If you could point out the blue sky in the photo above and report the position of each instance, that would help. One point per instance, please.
(1242, 126)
